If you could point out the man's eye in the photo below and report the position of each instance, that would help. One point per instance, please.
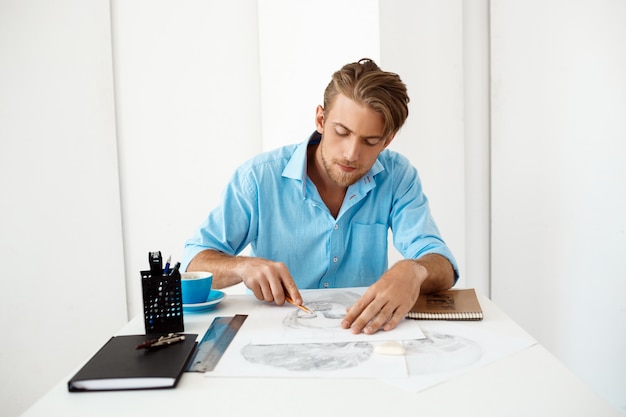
(372, 141)
(341, 133)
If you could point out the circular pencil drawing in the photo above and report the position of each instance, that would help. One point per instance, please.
(309, 356)
(328, 311)
(440, 352)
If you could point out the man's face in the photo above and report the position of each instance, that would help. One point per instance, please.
(352, 138)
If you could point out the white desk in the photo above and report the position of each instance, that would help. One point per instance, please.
(531, 382)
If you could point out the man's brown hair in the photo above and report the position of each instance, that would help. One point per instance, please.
(365, 83)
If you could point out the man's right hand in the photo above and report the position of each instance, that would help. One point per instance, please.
(268, 280)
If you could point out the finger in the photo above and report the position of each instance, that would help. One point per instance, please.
(394, 321)
(361, 313)
(256, 290)
(278, 291)
(361, 322)
(290, 288)
(266, 290)
(380, 319)
(352, 313)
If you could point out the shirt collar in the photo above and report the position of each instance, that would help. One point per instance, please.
(296, 167)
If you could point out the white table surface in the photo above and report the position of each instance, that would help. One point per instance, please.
(531, 382)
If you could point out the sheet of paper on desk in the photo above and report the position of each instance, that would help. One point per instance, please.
(451, 349)
(288, 342)
(308, 360)
(279, 341)
(269, 324)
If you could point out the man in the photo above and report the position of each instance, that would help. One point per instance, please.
(317, 214)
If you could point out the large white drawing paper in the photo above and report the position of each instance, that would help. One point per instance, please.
(269, 324)
(451, 349)
(277, 342)
(288, 342)
(308, 360)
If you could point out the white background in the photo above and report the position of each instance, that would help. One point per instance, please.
(121, 121)
(559, 180)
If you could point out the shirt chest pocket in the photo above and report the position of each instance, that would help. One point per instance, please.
(367, 251)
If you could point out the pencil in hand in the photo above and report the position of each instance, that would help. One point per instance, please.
(303, 308)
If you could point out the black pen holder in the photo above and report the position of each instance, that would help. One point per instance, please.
(162, 302)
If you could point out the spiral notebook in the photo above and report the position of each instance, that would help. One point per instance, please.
(456, 304)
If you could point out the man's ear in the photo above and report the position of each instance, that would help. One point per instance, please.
(388, 141)
(319, 119)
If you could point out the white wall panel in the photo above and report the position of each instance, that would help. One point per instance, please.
(477, 144)
(301, 45)
(187, 99)
(559, 180)
(62, 274)
(423, 42)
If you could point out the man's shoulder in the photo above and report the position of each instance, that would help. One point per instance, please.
(393, 159)
(274, 158)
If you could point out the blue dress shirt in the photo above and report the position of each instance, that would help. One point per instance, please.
(271, 205)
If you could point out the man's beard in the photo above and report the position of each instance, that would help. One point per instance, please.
(344, 179)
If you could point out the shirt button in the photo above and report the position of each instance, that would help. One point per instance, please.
(336, 226)
(326, 285)
(335, 259)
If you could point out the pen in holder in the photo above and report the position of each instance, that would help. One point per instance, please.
(162, 302)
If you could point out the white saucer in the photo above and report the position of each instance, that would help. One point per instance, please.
(214, 298)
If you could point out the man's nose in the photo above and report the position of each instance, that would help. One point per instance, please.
(351, 149)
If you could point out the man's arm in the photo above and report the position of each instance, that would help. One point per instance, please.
(439, 274)
(268, 280)
(388, 300)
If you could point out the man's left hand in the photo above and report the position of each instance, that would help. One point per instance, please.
(388, 300)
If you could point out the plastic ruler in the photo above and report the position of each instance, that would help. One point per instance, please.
(215, 342)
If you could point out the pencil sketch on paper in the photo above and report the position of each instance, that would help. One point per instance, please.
(328, 309)
(287, 324)
(440, 352)
(309, 356)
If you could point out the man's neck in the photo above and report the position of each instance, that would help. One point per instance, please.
(331, 193)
